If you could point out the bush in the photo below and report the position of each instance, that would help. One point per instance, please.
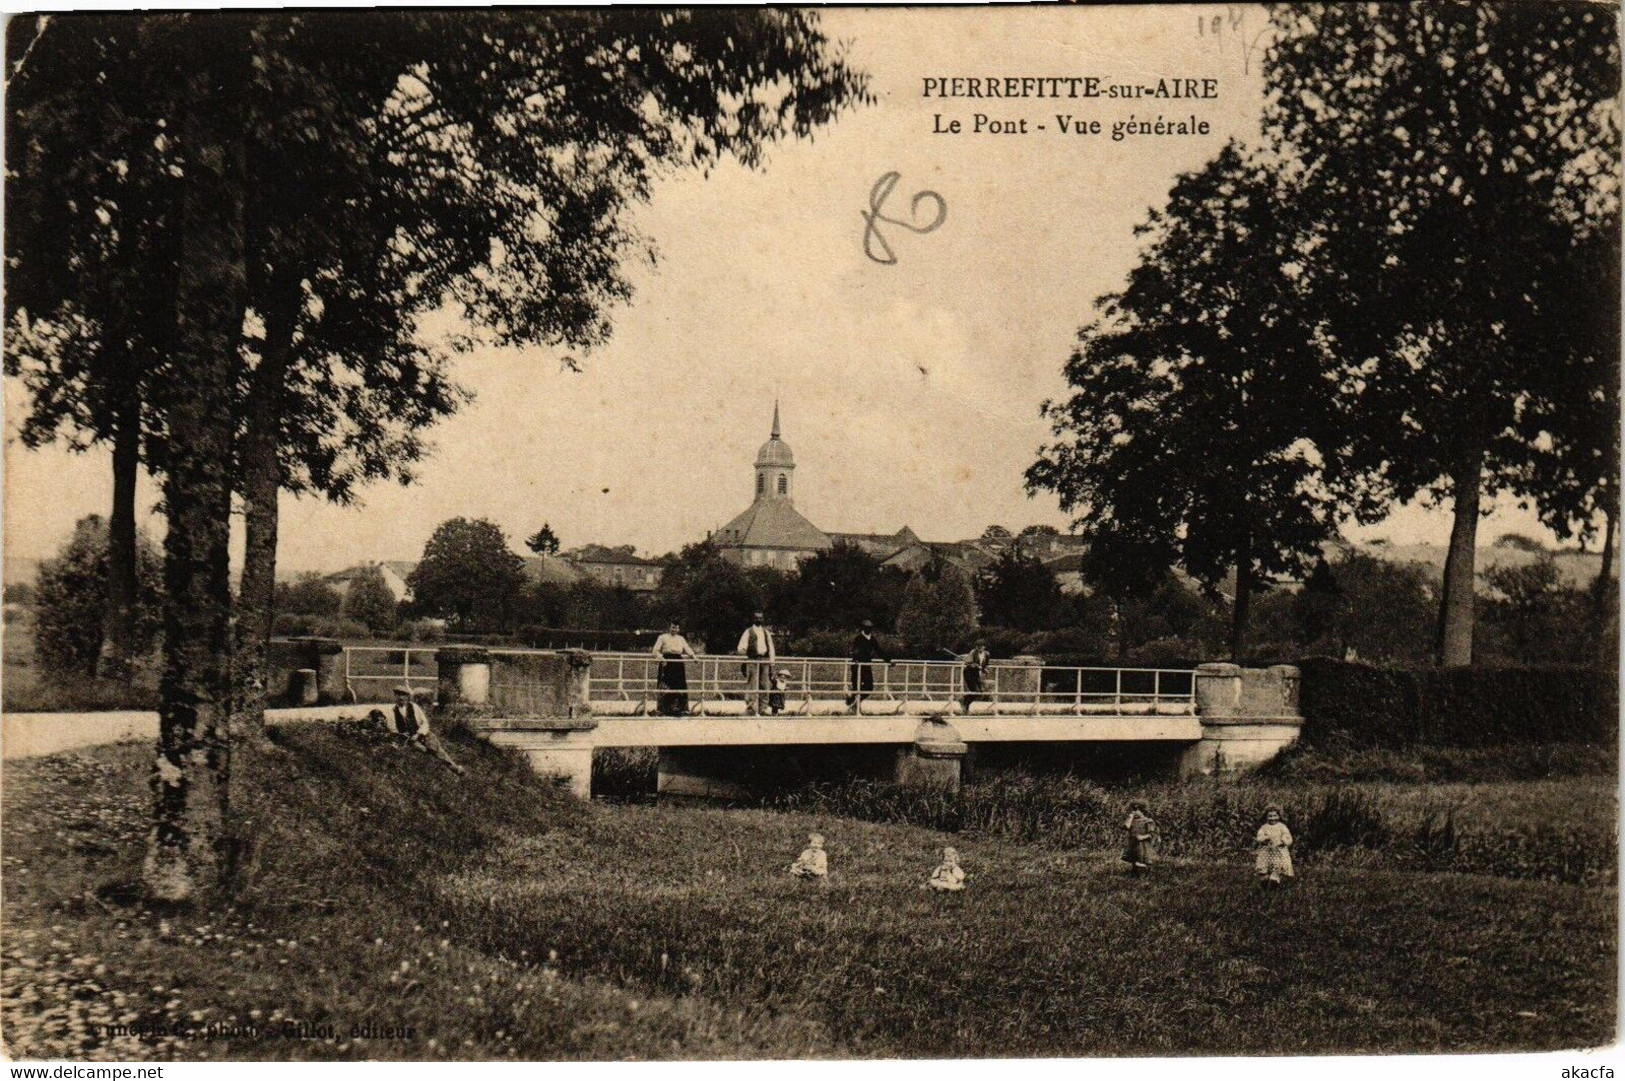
(1351, 705)
(71, 601)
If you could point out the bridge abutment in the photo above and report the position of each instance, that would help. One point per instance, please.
(1248, 715)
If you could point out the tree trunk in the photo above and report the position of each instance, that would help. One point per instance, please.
(1457, 604)
(261, 481)
(1241, 613)
(193, 765)
(1603, 586)
(118, 623)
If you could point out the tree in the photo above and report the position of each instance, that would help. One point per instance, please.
(1536, 616)
(71, 600)
(711, 597)
(308, 595)
(939, 609)
(1019, 592)
(1201, 431)
(840, 587)
(1453, 161)
(468, 576)
(1382, 611)
(89, 305)
(1039, 530)
(370, 602)
(544, 542)
(996, 535)
(317, 135)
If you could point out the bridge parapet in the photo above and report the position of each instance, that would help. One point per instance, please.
(1248, 715)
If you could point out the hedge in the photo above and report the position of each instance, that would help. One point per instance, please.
(1361, 705)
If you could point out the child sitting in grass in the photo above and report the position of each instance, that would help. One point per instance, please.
(1142, 838)
(813, 862)
(1273, 863)
(948, 875)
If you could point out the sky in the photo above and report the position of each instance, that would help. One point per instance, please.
(910, 393)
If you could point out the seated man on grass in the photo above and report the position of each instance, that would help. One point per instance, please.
(412, 723)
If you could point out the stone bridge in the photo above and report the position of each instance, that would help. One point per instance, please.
(916, 727)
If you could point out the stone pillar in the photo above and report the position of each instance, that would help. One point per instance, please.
(935, 759)
(306, 690)
(464, 674)
(326, 657)
(1218, 690)
(1249, 715)
(578, 700)
(1017, 685)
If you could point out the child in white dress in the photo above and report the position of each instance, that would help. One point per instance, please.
(948, 875)
(1140, 848)
(1274, 845)
(813, 862)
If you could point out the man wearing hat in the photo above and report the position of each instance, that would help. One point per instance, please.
(866, 648)
(756, 646)
(412, 724)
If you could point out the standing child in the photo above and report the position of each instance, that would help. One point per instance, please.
(1274, 845)
(813, 862)
(1141, 848)
(948, 875)
(775, 696)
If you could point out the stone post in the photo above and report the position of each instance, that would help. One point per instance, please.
(1249, 715)
(1218, 689)
(1018, 683)
(326, 656)
(936, 758)
(464, 674)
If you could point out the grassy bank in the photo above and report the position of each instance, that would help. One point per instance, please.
(493, 918)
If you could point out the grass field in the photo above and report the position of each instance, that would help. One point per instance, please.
(492, 918)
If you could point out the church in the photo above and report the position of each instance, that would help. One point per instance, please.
(772, 533)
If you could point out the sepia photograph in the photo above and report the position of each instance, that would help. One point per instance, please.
(581, 534)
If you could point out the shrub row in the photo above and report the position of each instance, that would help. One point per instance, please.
(1347, 704)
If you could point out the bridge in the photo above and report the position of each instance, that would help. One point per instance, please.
(915, 727)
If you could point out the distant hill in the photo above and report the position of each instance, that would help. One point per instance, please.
(1578, 569)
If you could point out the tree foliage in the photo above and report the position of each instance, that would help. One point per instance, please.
(712, 598)
(1200, 423)
(71, 596)
(1458, 168)
(840, 587)
(1020, 592)
(370, 602)
(468, 576)
(938, 610)
(544, 542)
(308, 595)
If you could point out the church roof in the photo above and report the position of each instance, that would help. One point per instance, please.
(771, 523)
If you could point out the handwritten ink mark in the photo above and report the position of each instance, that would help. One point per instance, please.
(872, 217)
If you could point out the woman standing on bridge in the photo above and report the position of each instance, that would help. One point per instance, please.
(672, 677)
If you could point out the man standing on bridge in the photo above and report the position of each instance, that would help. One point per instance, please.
(756, 646)
(866, 648)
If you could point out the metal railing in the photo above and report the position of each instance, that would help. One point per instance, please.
(366, 667)
(829, 685)
(807, 686)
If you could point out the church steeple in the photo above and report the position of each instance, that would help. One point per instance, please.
(775, 465)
